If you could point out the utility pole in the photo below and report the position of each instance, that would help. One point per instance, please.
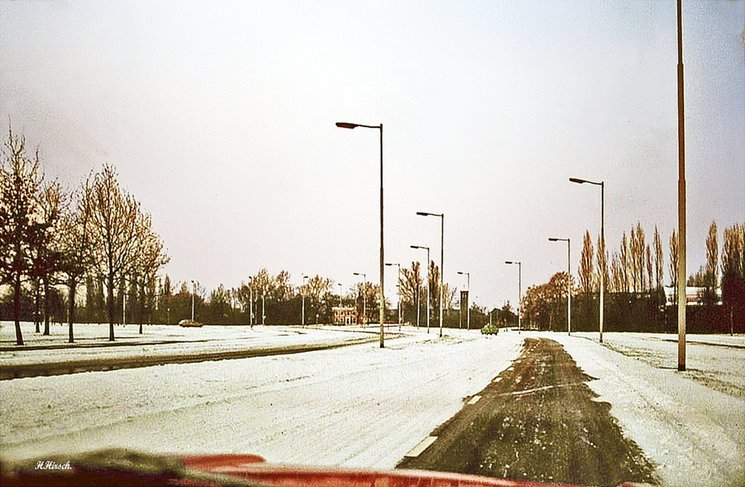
(682, 299)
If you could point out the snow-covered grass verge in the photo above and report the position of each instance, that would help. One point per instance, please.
(717, 361)
(357, 406)
(161, 340)
(693, 433)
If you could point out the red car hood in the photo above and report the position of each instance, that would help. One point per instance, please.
(124, 468)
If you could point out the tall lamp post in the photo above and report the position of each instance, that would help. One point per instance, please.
(602, 242)
(398, 288)
(193, 292)
(422, 247)
(569, 280)
(519, 292)
(303, 294)
(339, 284)
(682, 299)
(381, 297)
(468, 309)
(442, 254)
(364, 302)
(250, 301)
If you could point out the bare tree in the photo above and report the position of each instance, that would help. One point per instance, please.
(586, 264)
(46, 242)
(624, 258)
(733, 271)
(673, 264)
(649, 268)
(602, 263)
(20, 182)
(74, 249)
(150, 258)
(712, 264)
(659, 260)
(114, 230)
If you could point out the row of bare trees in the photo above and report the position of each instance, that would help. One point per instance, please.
(50, 236)
(635, 280)
(275, 299)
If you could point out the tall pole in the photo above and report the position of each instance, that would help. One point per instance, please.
(569, 280)
(468, 312)
(193, 292)
(468, 305)
(604, 263)
(569, 287)
(442, 255)
(422, 247)
(442, 265)
(398, 288)
(519, 296)
(250, 302)
(263, 307)
(364, 302)
(381, 295)
(303, 294)
(682, 299)
(398, 291)
(519, 291)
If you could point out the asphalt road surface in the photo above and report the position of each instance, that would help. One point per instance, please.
(537, 420)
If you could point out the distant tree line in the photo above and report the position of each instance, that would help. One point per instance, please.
(96, 234)
(635, 298)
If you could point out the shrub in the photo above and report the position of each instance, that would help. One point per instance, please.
(490, 330)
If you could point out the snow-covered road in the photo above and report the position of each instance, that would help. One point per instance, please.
(357, 406)
(362, 406)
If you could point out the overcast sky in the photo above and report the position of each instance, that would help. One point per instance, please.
(220, 117)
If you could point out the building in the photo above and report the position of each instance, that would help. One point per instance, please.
(344, 315)
(694, 295)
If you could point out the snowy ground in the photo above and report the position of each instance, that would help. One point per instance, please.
(356, 406)
(360, 406)
(92, 341)
(717, 361)
(694, 433)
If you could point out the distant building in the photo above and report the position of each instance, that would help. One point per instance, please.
(344, 315)
(694, 295)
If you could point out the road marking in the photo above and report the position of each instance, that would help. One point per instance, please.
(544, 388)
(423, 445)
(474, 400)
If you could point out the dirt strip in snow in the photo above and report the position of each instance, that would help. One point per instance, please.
(539, 422)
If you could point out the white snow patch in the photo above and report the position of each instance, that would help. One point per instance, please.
(357, 406)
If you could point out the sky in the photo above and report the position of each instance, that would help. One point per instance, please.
(220, 118)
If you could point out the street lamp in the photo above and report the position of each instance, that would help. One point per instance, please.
(381, 297)
(193, 292)
(602, 241)
(519, 292)
(569, 280)
(442, 254)
(422, 247)
(468, 309)
(398, 288)
(303, 294)
(251, 301)
(364, 302)
(339, 284)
